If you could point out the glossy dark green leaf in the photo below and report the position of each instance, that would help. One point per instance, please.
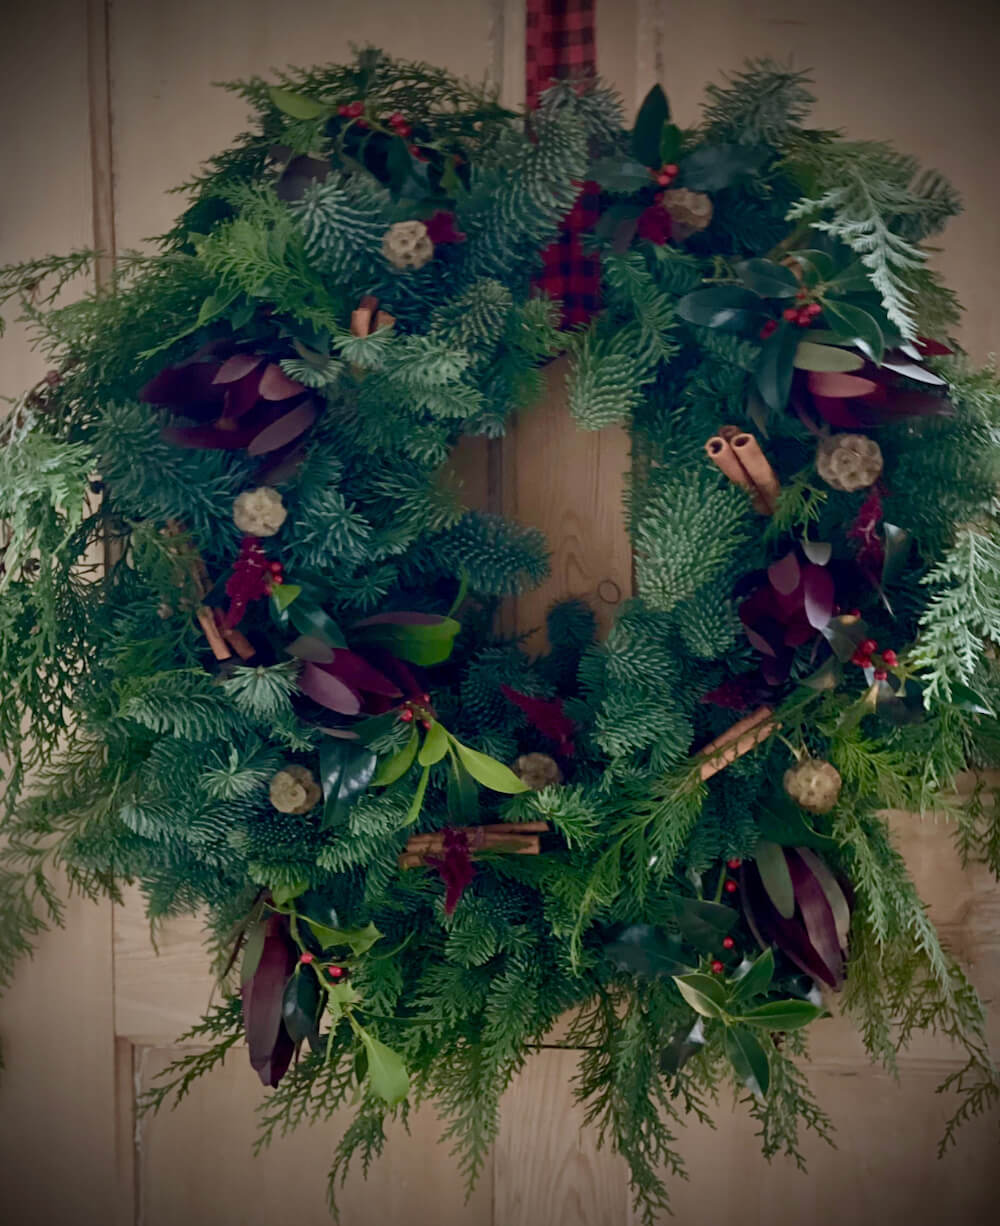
(967, 699)
(346, 769)
(703, 924)
(775, 366)
(844, 634)
(641, 949)
(653, 114)
(368, 731)
(396, 766)
(783, 1015)
(620, 176)
(854, 279)
(757, 979)
(683, 1044)
(856, 326)
(768, 279)
(748, 1058)
(785, 823)
(896, 544)
(719, 166)
(776, 879)
(704, 994)
(300, 1006)
(314, 622)
(671, 140)
(463, 792)
(721, 306)
(816, 266)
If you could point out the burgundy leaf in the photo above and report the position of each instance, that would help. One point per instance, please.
(785, 575)
(284, 430)
(838, 385)
(207, 437)
(281, 1057)
(817, 583)
(837, 412)
(358, 674)
(179, 386)
(790, 936)
(329, 691)
(913, 403)
(817, 915)
(547, 715)
(758, 641)
(262, 998)
(276, 385)
(242, 395)
(931, 348)
(306, 647)
(237, 367)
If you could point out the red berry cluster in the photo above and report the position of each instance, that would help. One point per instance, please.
(397, 121)
(864, 652)
(803, 315)
(351, 110)
(666, 174)
(422, 709)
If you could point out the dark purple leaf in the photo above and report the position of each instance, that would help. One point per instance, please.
(357, 673)
(403, 618)
(276, 385)
(237, 367)
(262, 997)
(210, 438)
(785, 574)
(284, 430)
(817, 584)
(839, 386)
(790, 936)
(329, 691)
(308, 647)
(179, 386)
(817, 915)
(242, 395)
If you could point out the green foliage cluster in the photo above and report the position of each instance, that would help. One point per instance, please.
(153, 762)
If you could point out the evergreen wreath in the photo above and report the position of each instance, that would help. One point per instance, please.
(247, 655)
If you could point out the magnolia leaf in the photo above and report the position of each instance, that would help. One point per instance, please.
(435, 744)
(300, 1007)
(783, 1015)
(748, 1058)
(768, 279)
(346, 770)
(419, 638)
(756, 979)
(856, 327)
(386, 1071)
(704, 994)
(298, 106)
(774, 367)
(721, 306)
(911, 370)
(395, 767)
(825, 358)
(488, 771)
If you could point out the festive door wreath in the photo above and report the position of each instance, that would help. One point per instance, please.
(280, 696)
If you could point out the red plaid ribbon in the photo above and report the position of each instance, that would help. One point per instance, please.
(559, 42)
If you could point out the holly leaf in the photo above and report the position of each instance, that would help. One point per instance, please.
(856, 327)
(358, 940)
(768, 279)
(282, 895)
(702, 924)
(748, 1058)
(653, 114)
(719, 166)
(488, 771)
(757, 978)
(775, 366)
(386, 1071)
(704, 994)
(783, 1015)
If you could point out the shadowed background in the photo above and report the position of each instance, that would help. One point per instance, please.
(106, 104)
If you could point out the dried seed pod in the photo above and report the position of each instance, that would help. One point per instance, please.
(849, 462)
(259, 512)
(294, 789)
(407, 245)
(689, 211)
(537, 770)
(813, 784)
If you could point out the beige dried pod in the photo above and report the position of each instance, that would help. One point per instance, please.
(294, 789)
(259, 512)
(407, 245)
(689, 211)
(537, 770)
(849, 462)
(814, 784)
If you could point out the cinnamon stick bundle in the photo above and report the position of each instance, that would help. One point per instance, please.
(514, 838)
(737, 454)
(737, 740)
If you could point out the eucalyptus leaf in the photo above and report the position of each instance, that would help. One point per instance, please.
(748, 1058)
(417, 803)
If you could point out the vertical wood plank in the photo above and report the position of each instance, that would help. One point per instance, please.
(57, 1152)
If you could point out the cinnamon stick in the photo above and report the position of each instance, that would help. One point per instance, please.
(736, 741)
(747, 451)
(384, 320)
(239, 642)
(215, 640)
(721, 454)
(529, 846)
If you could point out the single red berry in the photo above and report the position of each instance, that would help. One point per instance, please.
(862, 661)
(277, 579)
(735, 862)
(728, 942)
(814, 309)
(868, 646)
(854, 613)
(890, 658)
(425, 699)
(336, 972)
(403, 130)
(307, 957)
(731, 887)
(344, 110)
(663, 178)
(671, 168)
(881, 674)
(354, 109)
(396, 118)
(802, 293)
(362, 124)
(768, 329)
(717, 967)
(803, 318)
(275, 567)
(790, 313)
(406, 715)
(426, 723)
(415, 152)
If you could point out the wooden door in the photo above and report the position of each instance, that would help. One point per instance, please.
(106, 105)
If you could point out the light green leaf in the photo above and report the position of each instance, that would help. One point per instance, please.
(360, 940)
(282, 595)
(488, 771)
(435, 745)
(418, 798)
(387, 1073)
(825, 358)
(704, 994)
(783, 1015)
(748, 1059)
(298, 106)
(396, 767)
(282, 895)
